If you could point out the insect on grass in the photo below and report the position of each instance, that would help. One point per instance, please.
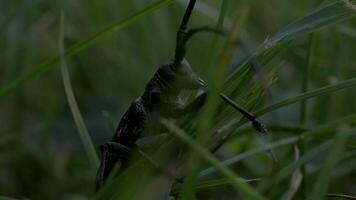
(160, 100)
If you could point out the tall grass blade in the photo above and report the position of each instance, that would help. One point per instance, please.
(83, 132)
(303, 116)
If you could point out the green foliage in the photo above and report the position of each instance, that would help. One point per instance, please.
(115, 47)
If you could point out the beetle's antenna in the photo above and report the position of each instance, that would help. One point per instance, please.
(180, 51)
(259, 126)
(187, 14)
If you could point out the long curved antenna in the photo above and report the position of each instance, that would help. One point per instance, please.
(180, 48)
(184, 35)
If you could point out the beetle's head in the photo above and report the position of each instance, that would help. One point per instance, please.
(186, 78)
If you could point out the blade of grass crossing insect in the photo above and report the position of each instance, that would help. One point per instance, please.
(210, 107)
(239, 185)
(320, 188)
(82, 45)
(83, 132)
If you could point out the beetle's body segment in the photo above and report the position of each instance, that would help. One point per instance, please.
(160, 99)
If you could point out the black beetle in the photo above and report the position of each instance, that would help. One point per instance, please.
(160, 99)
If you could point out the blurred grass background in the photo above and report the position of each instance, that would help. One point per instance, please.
(41, 154)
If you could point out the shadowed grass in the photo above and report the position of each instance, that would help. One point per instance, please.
(7, 198)
(82, 45)
(312, 22)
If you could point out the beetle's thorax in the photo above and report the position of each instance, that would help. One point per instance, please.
(162, 88)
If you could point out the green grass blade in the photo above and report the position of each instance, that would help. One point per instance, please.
(83, 132)
(307, 95)
(219, 183)
(80, 46)
(303, 113)
(240, 157)
(239, 185)
(214, 184)
(321, 186)
(312, 153)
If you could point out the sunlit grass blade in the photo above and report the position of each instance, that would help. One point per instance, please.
(82, 45)
(239, 185)
(83, 132)
(321, 185)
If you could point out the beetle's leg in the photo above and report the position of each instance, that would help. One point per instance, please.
(259, 126)
(110, 153)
